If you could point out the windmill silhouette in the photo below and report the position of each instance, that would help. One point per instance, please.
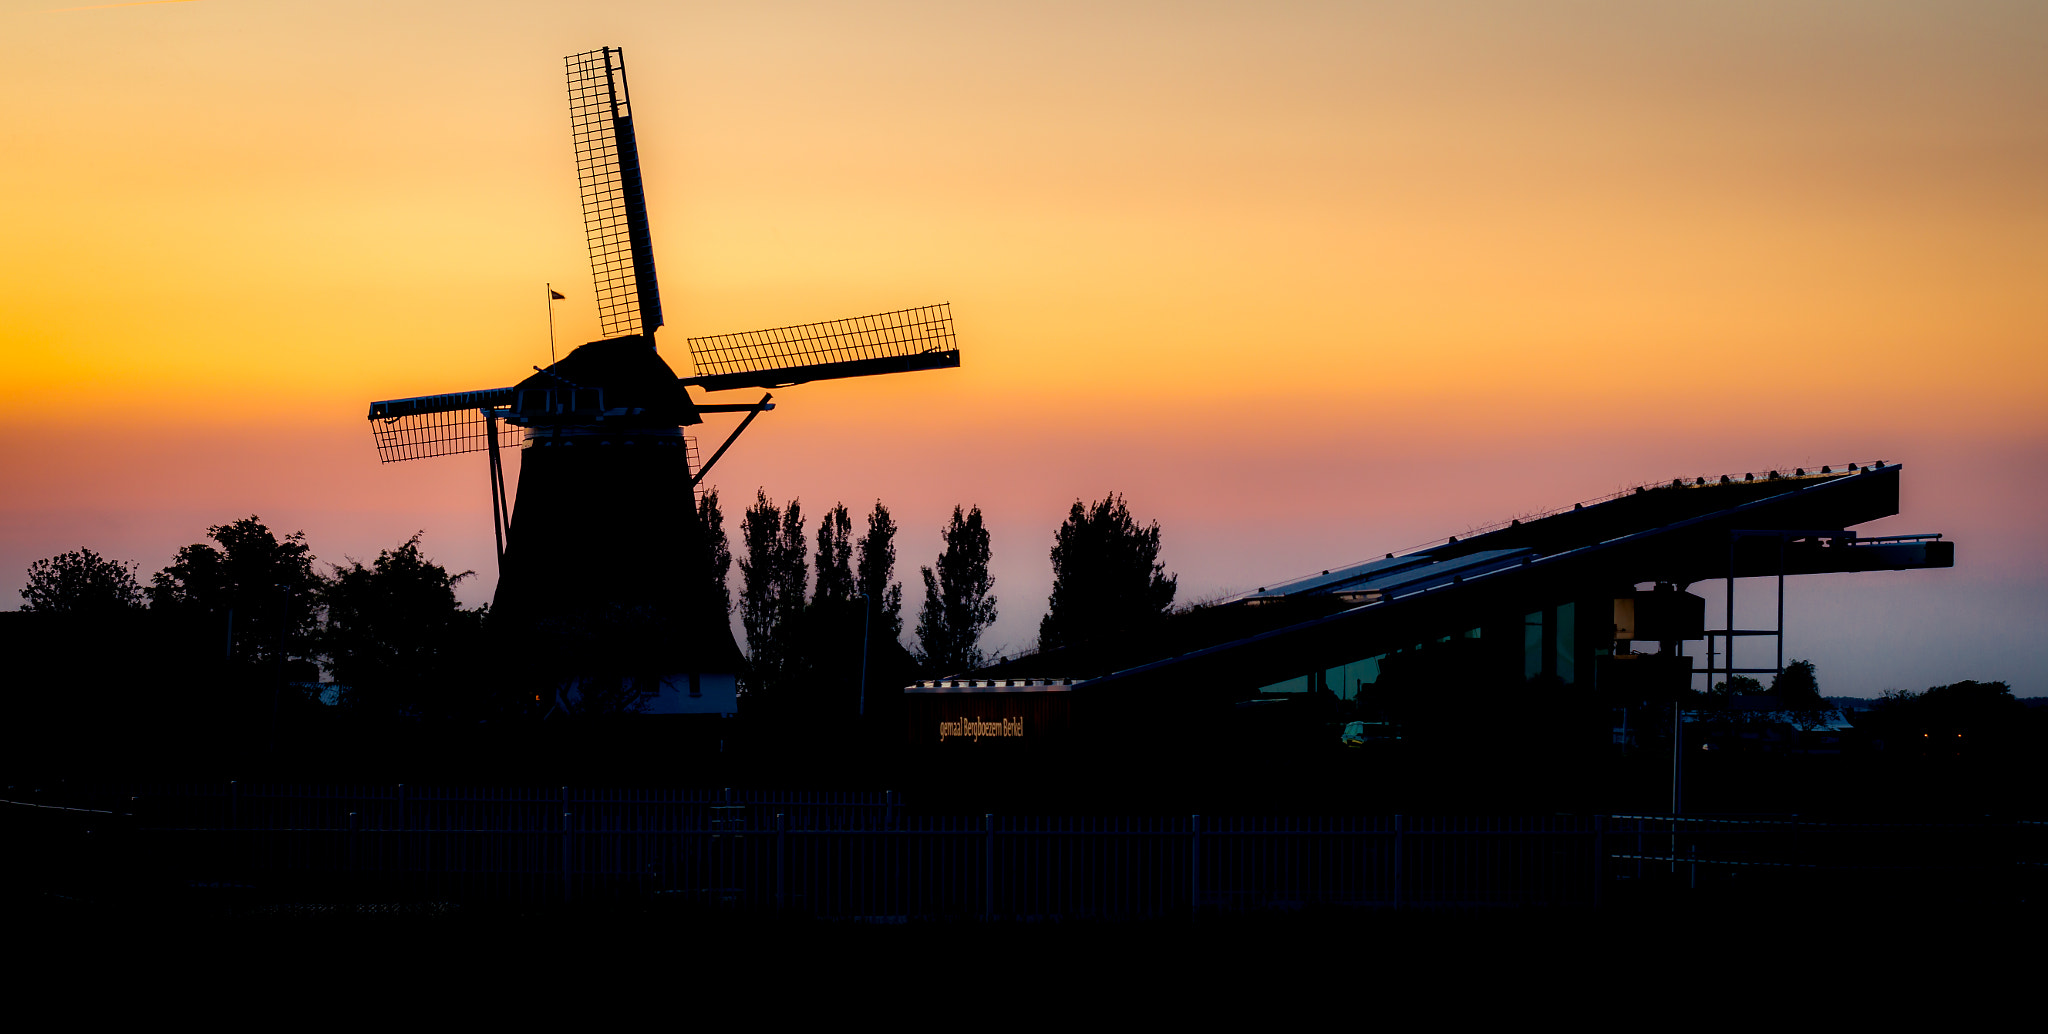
(604, 585)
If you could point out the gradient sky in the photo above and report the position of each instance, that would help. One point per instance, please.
(1307, 282)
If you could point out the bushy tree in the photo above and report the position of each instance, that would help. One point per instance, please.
(257, 590)
(773, 574)
(1107, 581)
(396, 636)
(1964, 716)
(1721, 696)
(81, 583)
(1798, 691)
(958, 602)
(1797, 687)
(712, 519)
(876, 573)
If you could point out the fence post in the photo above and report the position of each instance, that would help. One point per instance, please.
(988, 865)
(354, 846)
(234, 804)
(1599, 858)
(1195, 869)
(567, 852)
(781, 863)
(1399, 852)
(403, 827)
(1639, 847)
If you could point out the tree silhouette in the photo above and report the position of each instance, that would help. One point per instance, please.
(1107, 582)
(81, 583)
(713, 521)
(829, 647)
(1722, 696)
(396, 637)
(835, 558)
(257, 589)
(1796, 686)
(958, 604)
(876, 573)
(1798, 691)
(773, 574)
(1962, 717)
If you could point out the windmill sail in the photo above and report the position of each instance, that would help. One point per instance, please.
(440, 425)
(889, 342)
(614, 205)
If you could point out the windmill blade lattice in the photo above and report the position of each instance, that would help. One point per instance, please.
(888, 342)
(614, 204)
(439, 425)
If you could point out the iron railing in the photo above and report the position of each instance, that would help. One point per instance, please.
(861, 855)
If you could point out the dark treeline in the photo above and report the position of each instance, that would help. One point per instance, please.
(1108, 586)
(247, 655)
(220, 656)
(247, 646)
(825, 649)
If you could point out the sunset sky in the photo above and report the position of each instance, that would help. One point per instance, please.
(1307, 282)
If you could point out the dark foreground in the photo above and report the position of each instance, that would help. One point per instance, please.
(1696, 956)
(94, 892)
(105, 916)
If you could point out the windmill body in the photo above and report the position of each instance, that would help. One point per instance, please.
(605, 580)
(605, 597)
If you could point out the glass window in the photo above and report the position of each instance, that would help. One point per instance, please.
(1298, 684)
(1362, 673)
(1344, 680)
(1532, 645)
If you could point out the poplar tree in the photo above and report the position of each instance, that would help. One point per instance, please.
(829, 642)
(773, 574)
(719, 548)
(876, 572)
(958, 602)
(835, 558)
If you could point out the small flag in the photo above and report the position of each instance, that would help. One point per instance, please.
(556, 295)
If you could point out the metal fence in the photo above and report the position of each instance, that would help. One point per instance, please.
(861, 855)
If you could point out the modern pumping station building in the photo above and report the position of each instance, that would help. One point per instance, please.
(1575, 597)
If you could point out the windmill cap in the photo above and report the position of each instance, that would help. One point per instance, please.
(629, 372)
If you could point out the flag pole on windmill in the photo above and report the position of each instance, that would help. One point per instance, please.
(553, 296)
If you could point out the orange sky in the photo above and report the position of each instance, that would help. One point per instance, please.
(1308, 282)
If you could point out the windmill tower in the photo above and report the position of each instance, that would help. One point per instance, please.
(604, 584)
